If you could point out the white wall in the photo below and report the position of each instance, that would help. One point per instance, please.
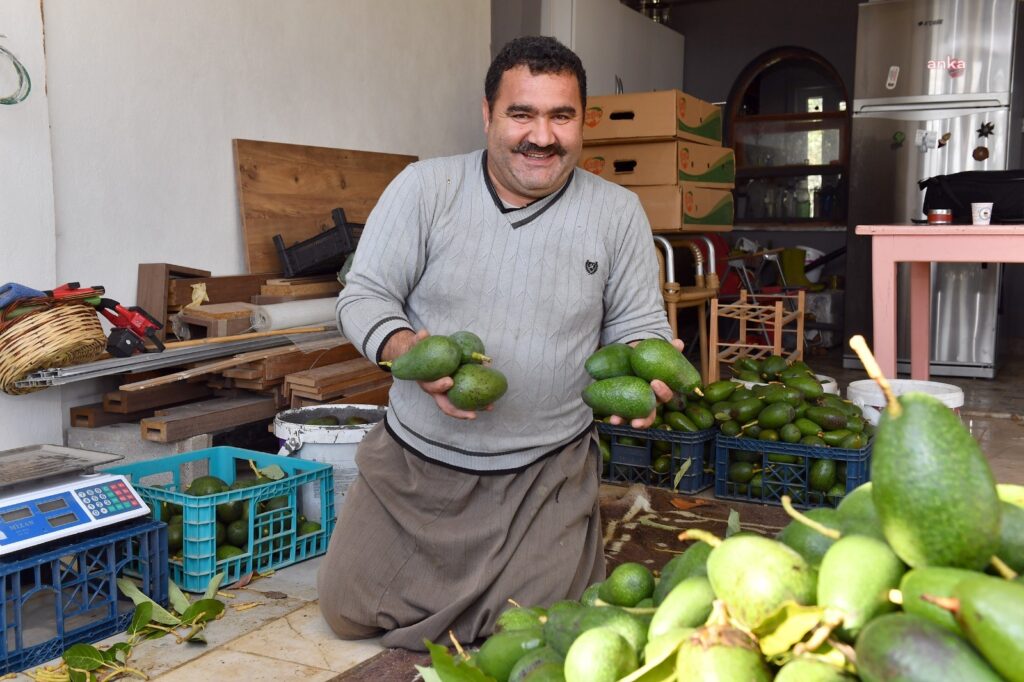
(144, 97)
(613, 40)
(26, 204)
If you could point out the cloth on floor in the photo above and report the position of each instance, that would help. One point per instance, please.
(421, 549)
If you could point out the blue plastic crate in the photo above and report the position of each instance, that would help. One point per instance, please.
(273, 540)
(65, 592)
(786, 478)
(632, 463)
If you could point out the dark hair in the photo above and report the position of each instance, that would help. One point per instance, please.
(542, 55)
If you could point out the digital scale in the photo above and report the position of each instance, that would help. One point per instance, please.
(49, 492)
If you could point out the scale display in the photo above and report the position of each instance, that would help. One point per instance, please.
(44, 497)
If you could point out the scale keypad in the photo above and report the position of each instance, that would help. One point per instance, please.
(107, 498)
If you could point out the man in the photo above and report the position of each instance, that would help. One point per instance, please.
(455, 512)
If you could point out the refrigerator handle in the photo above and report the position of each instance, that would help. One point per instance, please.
(933, 105)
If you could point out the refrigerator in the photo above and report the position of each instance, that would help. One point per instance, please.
(933, 94)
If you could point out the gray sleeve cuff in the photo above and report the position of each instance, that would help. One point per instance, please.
(379, 333)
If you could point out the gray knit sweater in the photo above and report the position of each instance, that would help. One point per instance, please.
(543, 286)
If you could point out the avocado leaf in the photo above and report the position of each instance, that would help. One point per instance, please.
(449, 669)
(789, 624)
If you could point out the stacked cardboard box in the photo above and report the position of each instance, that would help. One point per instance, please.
(666, 147)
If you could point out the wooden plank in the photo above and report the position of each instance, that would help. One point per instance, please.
(224, 289)
(254, 372)
(222, 311)
(211, 328)
(279, 366)
(124, 402)
(207, 416)
(321, 288)
(257, 384)
(336, 387)
(151, 288)
(332, 374)
(303, 280)
(92, 416)
(268, 300)
(371, 393)
(291, 189)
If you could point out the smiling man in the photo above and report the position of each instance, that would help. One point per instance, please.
(455, 512)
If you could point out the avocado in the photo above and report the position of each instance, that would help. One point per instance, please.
(472, 347)
(628, 397)
(502, 650)
(745, 410)
(563, 625)
(857, 513)
(430, 359)
(680, 422)
(755, 575)
(741, 472)
(855, 577)
(808, 386)
(532, 661)
(700, 416)
(790, 433)
(692, 562)
(688, 605)
(772, 365)
(990, 615)
(809, 543)
(806, 669)
(933, 488)
(935, 581)
(828, 418)
(631, 628)
(476, 386)
(717, 652)
(776, 415)
(206, 485)
(599, 655)
(807, 427)
(323, 421)
(658, 359)
(610, 361)
(904, 647)
(835, 438)
(1011, 537)
(822, 475)
(719, 390)
(745, 364)
(519, 618)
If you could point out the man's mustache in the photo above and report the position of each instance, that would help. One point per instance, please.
(530, 148)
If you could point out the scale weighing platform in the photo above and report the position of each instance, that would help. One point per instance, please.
(49, 492)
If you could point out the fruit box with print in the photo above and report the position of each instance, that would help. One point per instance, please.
(659, 115)
(686, 208)
(662, 163)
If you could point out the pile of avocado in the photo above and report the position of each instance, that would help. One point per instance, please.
(913, 578)
(231, 527)
(460, 356)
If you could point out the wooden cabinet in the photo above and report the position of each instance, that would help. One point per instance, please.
(786, 118)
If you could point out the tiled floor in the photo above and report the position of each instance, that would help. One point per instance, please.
(284, 638)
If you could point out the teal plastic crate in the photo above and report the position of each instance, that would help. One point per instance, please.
(273, 541)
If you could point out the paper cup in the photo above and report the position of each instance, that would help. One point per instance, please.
(981, 213)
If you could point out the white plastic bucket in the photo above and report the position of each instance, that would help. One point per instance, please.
(334, 445)
(812, 254)
(869, 396)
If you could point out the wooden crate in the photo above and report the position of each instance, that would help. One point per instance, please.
(785, 315)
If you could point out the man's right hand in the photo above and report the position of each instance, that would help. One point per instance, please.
(399, 344)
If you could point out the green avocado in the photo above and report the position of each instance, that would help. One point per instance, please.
(628, 397)
(658, 359)
(430, 359)
(475, 386)
(610, 361)
(471, 345)
(933, 488)
(990, 615)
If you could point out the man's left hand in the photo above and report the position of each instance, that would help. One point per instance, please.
(661, 391)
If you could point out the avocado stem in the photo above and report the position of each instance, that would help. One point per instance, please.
(458, 647)
(896, 597)
(1003, 568)
(830, 622)
(480, 357)
(787, 504)
(514, 603)
(384, 363)
(699, 393)
(860, 347)
(702, 535)
(951, 604)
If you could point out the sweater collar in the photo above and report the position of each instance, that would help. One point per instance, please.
(533, 210)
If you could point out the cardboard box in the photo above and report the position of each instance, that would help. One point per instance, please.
(662, 163)
(686, 208)
(658, 115)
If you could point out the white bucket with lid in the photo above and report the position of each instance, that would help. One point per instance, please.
(867, 394)
(328, 444)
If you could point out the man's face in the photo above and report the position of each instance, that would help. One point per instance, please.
(534, 133)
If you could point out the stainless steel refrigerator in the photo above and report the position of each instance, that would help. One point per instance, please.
(933, 95)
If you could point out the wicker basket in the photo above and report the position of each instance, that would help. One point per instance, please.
(49, 337)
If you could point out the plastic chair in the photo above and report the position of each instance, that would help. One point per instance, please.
(697, 296)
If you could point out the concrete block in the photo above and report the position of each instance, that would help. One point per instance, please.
(125, 440)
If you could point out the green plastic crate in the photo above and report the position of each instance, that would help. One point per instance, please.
(273, 539)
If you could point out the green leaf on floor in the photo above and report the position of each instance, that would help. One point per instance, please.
(450, 669)
(140, 619)
(202, 611)
(160, 614)
(83, 657)
(179, 602)
(213, 586)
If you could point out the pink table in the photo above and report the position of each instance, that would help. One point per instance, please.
(921, 245)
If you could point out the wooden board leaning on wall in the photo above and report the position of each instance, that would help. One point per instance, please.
(291, 189)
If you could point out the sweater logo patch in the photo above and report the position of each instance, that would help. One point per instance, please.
(591, 267)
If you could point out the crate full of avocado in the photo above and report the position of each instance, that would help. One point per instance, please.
(243, 516)
(675, 452)
(787, 437)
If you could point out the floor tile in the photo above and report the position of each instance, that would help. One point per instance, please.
(227, 664)
(303, 635)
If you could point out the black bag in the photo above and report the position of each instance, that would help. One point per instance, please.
(957, 191)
